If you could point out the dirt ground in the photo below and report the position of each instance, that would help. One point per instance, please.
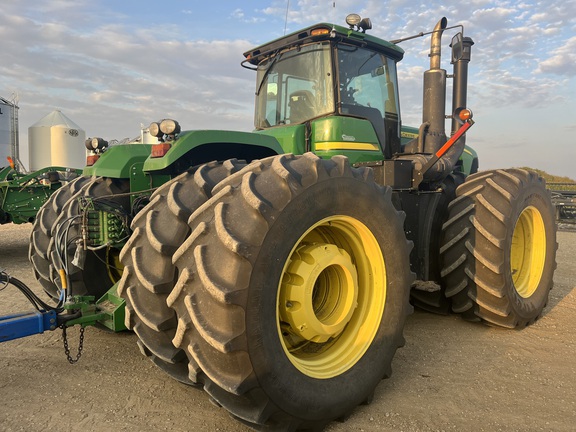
(450, 376)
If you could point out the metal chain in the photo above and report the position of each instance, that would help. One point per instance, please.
(67, 349)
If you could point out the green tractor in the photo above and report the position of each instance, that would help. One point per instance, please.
(274, 269)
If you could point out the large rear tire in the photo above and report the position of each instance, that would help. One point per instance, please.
(41, 235)
(293, 291)
(149, 275)
(499, 249)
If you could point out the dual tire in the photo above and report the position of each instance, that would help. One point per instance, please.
(56, 230)
(499, 248)
(42, 238)
(149, 274)
(291, 285)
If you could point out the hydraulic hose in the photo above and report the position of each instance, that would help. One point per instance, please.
(38, 304)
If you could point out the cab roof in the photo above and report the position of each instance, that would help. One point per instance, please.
(321, 32)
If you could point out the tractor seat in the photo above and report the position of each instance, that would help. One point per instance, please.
(301, 105)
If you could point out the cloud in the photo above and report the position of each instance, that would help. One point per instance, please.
(307, 12)
(110, 67)
(109, 78)
(238, 14)
(559, 14)
(253, 18)
(562, 61)
(504, 89)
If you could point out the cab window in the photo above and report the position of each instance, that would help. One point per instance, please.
(294, 86)
(366, 79)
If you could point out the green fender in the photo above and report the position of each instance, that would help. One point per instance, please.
(117, 160)
(469, 160)
(200, 146)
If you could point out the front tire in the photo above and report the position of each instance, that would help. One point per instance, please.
(499, 249)
(293, 291)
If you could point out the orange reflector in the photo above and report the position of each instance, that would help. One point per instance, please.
(159, 150)
(11, 162)
(319, 32)
(465, 114)
(91, 159)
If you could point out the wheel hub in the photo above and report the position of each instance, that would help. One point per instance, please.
(331, 297)
(528, 252)
(320, 292)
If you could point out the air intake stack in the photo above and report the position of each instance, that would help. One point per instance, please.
(461, 55)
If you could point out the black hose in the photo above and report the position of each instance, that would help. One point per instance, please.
(38, 304)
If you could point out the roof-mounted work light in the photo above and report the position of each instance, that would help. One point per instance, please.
(96, 144)
(361, 24)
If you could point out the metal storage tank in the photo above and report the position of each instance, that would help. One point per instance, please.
(55, 140)
(8, 130)
(146, 137)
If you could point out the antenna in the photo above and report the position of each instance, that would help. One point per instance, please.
(286, 18)
(333, 32)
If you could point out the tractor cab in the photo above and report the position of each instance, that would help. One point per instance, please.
(330, 90)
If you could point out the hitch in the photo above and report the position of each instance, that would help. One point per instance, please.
(108, 311)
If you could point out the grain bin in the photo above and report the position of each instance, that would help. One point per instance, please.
(8, 130)
(55, 140)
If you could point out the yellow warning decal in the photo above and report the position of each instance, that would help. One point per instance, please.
(343, 145)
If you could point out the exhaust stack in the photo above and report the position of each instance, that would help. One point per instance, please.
(434, 111)
(433, 156)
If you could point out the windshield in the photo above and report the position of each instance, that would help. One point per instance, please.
(294, 86)
(367, 79)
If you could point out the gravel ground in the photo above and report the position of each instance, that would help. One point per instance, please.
(451, 375)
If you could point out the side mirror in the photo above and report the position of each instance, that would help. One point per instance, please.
(461, 48)
(378, 71)
(456, 46)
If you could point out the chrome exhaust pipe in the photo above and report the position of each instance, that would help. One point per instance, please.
(436, 44)
(434, 100)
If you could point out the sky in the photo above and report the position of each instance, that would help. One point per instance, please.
(111, 66)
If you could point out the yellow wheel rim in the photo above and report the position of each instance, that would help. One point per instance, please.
(528, 252)
(114, 266)
(331, 297)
